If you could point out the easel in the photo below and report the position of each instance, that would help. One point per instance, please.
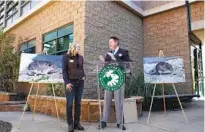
(32, 83)
(161, 54)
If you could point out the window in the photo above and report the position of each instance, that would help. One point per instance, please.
(1, 20)
(11, 7)
(1, 15)
(15, 16)
(57, 42)
(26, 7)
(1, 12)
(13, 12)
(28, 47)
(197, 69)
(9, 21)
(34, 3)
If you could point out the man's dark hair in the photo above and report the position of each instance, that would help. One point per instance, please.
(115, 38)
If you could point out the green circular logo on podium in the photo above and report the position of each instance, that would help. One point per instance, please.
(111, 78)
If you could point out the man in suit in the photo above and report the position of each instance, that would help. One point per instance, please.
(116, 54)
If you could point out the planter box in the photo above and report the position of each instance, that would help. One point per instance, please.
(139, 101)
(89, 108)
(6, 96)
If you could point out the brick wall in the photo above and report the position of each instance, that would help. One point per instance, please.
(168, 31)
(46, 105)
(7, 108)
(4, 97)
(104, 19)
(94, 22)
(54, 15)
(89, 108)
(197, 11)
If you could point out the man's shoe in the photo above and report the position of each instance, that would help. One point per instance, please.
(78, 126)
(121, 127)
(70, 128)
(102, 125)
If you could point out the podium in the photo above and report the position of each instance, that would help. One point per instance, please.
(111, 76)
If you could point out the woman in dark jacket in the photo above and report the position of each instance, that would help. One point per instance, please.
(74, 76)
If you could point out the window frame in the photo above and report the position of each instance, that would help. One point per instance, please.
(57, 38)
(15, 4)
(27, 42)
(16, 8)
(23, 5)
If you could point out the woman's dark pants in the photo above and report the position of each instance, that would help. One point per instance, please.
(76, 94)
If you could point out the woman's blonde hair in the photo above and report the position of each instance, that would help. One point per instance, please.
(73, 49)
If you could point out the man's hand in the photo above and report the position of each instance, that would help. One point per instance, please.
(69, 86)
(112, 56)
(84, 78)
(102, 59)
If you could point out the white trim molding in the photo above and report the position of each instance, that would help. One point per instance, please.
(129, 4)
(162, 8)
(197, 25)
(32, 11)
(134, 6)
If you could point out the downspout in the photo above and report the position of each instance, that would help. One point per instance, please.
(188, 16)
(189, 41)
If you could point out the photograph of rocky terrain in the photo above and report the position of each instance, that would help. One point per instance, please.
(40, 68)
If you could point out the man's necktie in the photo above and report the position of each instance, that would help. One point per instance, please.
(113, 52)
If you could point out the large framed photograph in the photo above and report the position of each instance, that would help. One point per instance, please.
(163, 70)
(40, 68)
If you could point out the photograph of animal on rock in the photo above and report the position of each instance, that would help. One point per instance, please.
(40, 68)
(163, 70)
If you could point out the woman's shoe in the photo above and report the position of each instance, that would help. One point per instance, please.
(78, 126)
(70, 128)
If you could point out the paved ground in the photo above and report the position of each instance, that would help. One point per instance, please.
(174, 121)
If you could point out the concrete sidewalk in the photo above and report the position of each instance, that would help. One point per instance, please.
(173, 121)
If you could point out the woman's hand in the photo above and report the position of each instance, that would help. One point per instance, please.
(69, 86)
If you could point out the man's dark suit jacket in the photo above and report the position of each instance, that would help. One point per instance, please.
(122, 55)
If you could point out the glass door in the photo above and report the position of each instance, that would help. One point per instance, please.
(197, 69)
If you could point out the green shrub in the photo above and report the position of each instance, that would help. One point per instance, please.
(27, 107)
(135, 86)
(9, 63)
(59, 90)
